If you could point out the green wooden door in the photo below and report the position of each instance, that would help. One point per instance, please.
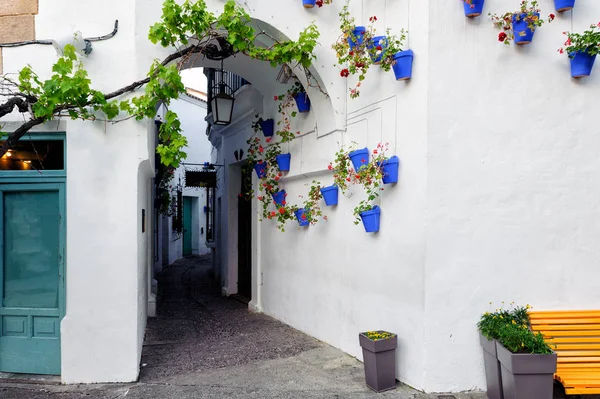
(187, 226)
(32, 296)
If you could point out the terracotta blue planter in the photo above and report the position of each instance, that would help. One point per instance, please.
(267, 127)
(475, 9)
(279, 197)
(564, 5)
(330, 195)
(261, 169)
(301, 216)
(359, 158)
(380, 41)
(283, 161)
(303, 102)
(371, 219)
(357, 37)
(309, 3)
(581, 64)
(523, 35)
(403, 64)
(390, 170)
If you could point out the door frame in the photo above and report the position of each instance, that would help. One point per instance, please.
(33, 180)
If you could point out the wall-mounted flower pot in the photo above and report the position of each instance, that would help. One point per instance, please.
(309, 3)
(279, 197)
(330, 195)
(302, 218)
(359, 158)
(581, 64)
(283, 161)
(379, 358)
(303, 102)
(371, 219)
(526, 375)
(357, 37)
(474, 9)
(403, 62)
(564, 5)
(523, 35)
(389, 168)
(268, 127)
(261, 169)
(493, 375)
(375, 53)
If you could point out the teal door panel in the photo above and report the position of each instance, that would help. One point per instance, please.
(187, 226)
(31, 276)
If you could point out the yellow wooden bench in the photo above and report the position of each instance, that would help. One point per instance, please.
(575, 337)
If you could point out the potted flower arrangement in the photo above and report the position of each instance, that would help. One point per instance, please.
(379, 357)
(582, 49)
(564, 5)
(298, 94)
(473, 8)
(519, 25)
(370, 176)
(358, 48)
(489, 328)
(527, 362)
(312, 3)
(311, 212)
(267, 126)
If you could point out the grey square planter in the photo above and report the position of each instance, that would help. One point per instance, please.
(526, 376)
(380, 362)
(493, 374)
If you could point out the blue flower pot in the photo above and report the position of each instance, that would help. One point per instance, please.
(303, 102)
(261, 170)
(564, 5)
(403, 64)
(330, 195)
(301, 216)
(283, 161)
(357, 37)
(309, 3)
(372, 46)
(268, 127)
(523, 35)
(279, 197)
(371, 219)
(359, 158)
(581, 64)
(390, 170)
(475, 9)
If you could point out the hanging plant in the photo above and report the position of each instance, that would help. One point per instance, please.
(473, 8)
(318, 3)
(564, 5)
(358, 48)
(163, 179)
(311, 209)
(342, 168)
(266, 126)
(370, 176)
(582, 49)
(519, 25)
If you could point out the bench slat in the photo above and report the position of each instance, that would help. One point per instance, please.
(565, 321)
(567, 340)
(563, 314)
(577, 353)
(571, 366)
(588, 333)
(568, 327)
(582, 391)
(578, 359)
(568, 347)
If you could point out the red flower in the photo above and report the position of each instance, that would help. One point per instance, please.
(273, 214)
(561, 51)
(351, 53)
(281, 211)
(502, 36)
(552, 16)
(283, 202)
(276, 177)
(260, 197)
(319, 3)
(275, 98)
(303, 216)
(347, 178)
(260, 149)
(330, 167)
(357, 176)
(375, 152)
(363, 161)
(345, 73)
(379, 48)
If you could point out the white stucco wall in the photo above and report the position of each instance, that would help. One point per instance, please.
(495, 200)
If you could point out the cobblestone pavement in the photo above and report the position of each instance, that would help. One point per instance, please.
(202, 345)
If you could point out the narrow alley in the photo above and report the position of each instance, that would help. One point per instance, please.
(203, 345)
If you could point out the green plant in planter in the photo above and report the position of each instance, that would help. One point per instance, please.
(586, 42)
(311, 205)
(378, 335)
(518, 338)
(491, 323)
(341, 167)
(528, 12)
(395, 45)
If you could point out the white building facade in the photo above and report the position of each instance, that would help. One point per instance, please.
(496, 198)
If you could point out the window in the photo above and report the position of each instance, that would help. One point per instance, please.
(35, 155)
(210, 214)
(177, 204)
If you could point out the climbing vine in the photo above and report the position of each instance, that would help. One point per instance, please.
(188, 27)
